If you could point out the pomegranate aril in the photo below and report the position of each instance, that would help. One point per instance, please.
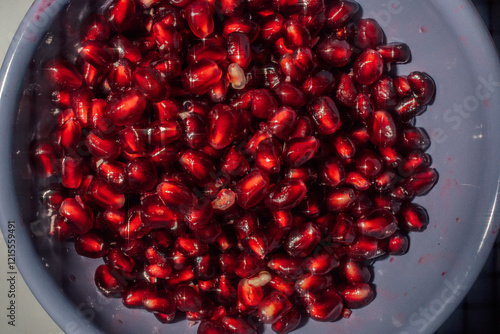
(368, 67)
(251, 189)
(413, 217)
(300, 150)
(149, 82)
(237, 326)
(339, 13)
(334, 52)
(78, 216)
(286, 266)
(198, 165)
(324, 305)
(159, 301)
(286, 195)
(295, 35)
(381, 129)
(108, 280)
(325, 115)
(356, 295)
(384, 93)
(395, 52)
(290, 95)
(200, 77)
(167, 38)
(211, 327)
(118, 260)
(97, 54)
(91, 244)
(62, 75)
(319, 84)
(420, 183)
(272, 307)
(250, 296)
(422, 86)
(125, 108)
(369, 34)
(288, 321)
(199, 17)
(271, 27)
(355, 271)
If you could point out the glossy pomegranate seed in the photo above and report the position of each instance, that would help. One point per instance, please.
(124, 48)
(222, 126)
(199, 17)
(369, 34)
(339, 13)
(126, 107)
(422, 182)
(334, 52)
(149, 82)
(108, 281)
(422, 86)
(368, 67)
(271, 27)
(176, 196)
(286, 266)
(356, 295)
(302, 240)
(62, 75)
(319, 84)
(346, 92)
(382, 130)
(321, 262)
(251, 189)
(281, 122)
(77, 215)
(295, 35)
(234, 162)
(363, 247)
(121, 14)
(211, 327)
(97, 54)
(268, 155)
(325, 115)
(200, 77)
(355, 271)
(95, 28)
(91, 244)
(288, 321)
(300, 150)
(167, 38)
(197, 165)
(324, 305)
(413, 217)
(311, 283)
(397, 244)
(286, 195)
(290, 95)
(272, 307)
(238, 49)
(395, 52)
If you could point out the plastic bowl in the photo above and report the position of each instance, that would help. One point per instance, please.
(415, 292)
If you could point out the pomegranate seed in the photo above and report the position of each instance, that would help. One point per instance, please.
(62, 75)
(395, 52)
(369, 34)
(286, 266)
(271, 27)
(197, 165)
(91, 245)
(268, 155)
(325, 115)
(167, 38)
(251, 189)
(382, 130)
(356, 295)
(300, 150)
(421, 182)
(346, 92)
(200, 77)
(368, 67)
(211, 327)
(319, 84)
(288, 321)
(397, 244)
(422, 86)
(384, 93)
(290, 95)
(97, 54)
(339, 13)
(222, 126)
(121, 13)
(281, 122)
(302, 240)
(272, 307)
(413, 217)
(295, 35)
(335, 52)
(324, 305)
(199, 17)
(286, 195)
(108, 281)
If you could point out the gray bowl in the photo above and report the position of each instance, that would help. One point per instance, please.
(415, 292)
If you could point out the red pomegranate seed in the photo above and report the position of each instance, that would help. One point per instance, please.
(288, 321)
(302, 240)
(382, 130)
(325, 115)
(272, 307)
(120, 13)
(222, 126)
(384, 93)
(300, 150)
(290, 95)
(339, 13)
(251, 189)
(149, 82)
(422, 86)
(397, 244)
(324, 305)
(286, 266)
(197, 165)
(199, 17)
(368, 67)
(95, 28)
(91, 244)
(268, 155)
(167, 38)
(319, 84)
(421, 182)
(395, 52)
(413, 217)
(200, 77)
(77, 215)
(238, 49)
(355, 271)
(108, 281)
(369, 34)
(311, 283)
(187, 298)
(97, 54)
(356, 295)
(62, 75)
(271, 27)
(286, 195)
(346, 92)
(295, 35)
(334, 52)
(211, 327)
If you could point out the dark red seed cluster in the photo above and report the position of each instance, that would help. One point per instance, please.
(236, 159)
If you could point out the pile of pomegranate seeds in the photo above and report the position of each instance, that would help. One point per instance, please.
(241, 161)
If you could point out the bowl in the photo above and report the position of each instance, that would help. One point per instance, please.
(415, 292)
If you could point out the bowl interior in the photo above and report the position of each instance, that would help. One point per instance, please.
(415, 292)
